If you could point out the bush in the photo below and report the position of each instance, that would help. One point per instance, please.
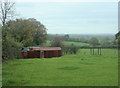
(10, 49)
(70, 49)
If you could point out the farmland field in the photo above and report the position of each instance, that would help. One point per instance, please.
(75, 43)
(48, 43)
(81, 69)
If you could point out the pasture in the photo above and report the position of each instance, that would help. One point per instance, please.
(81, 69)
(48, 43)
(75, 43)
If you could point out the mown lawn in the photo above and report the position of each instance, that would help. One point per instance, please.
(82, 69)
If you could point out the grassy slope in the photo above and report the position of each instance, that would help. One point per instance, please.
(69, 43)
(82, 69)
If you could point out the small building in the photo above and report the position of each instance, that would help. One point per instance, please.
(41, 52)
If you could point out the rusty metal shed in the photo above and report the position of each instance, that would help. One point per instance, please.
(41, 52)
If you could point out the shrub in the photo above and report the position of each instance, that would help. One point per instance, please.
(72, 49)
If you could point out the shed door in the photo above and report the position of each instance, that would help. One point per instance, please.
(41, 54)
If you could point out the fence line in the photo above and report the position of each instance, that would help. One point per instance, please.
(99, 47)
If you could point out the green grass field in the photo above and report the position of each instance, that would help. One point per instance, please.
(48, 43)
(82, 69)
(75, 43)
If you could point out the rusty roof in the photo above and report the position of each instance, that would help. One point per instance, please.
(45, 48)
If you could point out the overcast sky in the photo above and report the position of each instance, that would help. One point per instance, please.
(73, 17)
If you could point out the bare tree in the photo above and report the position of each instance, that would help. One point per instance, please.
(6, 10)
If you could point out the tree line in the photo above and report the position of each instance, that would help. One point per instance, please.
(103, 41)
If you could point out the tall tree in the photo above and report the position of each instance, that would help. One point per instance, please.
(21, 33)
(28, 32)
(6, 10)
(40, 34)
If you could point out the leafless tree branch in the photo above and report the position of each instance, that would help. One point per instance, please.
(6, 10)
